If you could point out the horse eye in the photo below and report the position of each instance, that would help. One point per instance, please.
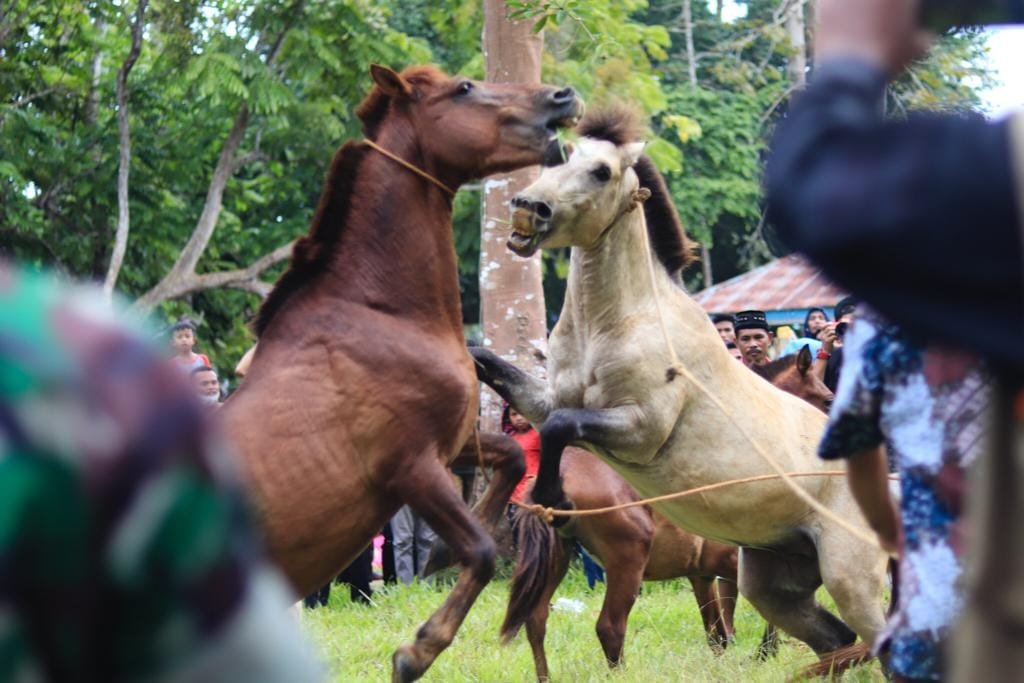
(602, 173)
(464, 88)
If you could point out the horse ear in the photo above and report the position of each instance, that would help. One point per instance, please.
(390, 81)
(631, 152)
(803, 359)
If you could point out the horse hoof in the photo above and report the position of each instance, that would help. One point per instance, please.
(403, 665)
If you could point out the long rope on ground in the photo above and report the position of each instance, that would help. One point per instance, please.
(675, 369)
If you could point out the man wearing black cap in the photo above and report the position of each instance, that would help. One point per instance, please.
(753, 337)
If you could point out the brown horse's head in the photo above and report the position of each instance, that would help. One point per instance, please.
(467, 129)
(793, 374)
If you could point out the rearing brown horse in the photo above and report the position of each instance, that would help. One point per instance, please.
(361, 388)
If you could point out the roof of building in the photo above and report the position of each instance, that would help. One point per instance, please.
(787, 286)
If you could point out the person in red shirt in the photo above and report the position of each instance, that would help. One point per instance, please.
(528, 438)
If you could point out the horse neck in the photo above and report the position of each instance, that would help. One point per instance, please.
(397, 254)
(609, 281)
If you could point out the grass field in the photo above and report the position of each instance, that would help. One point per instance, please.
(665, 640)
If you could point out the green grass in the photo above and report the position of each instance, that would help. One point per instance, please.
(664, 642)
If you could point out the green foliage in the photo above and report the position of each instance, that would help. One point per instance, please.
(202, 61)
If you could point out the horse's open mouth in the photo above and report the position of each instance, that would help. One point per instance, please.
(527, 233)
(522, 244)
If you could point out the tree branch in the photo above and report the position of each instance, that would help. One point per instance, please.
(183, 272)
(125, 154)
(247, 279)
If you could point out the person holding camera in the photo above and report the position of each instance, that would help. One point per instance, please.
(923, 218)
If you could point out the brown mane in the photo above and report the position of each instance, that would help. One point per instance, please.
(312, 251)
(771, 370)
(619, 125)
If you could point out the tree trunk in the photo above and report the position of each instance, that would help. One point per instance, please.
(511, 291)
(124, 149)
(796, 30)
(691, 62)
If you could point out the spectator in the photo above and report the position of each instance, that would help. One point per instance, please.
(126, 552)
(207, 387)
(734, 351)
(528, 438)
(726, 326)
(753, 337)
(928, 407)
(412, 539)
(829, 358)
(815, 322)
(183, 340)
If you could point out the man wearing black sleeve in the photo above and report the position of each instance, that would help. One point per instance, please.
(909, 215)
(923, 220)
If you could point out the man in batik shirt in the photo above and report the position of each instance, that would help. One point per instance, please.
(927, 408)
(125, 550)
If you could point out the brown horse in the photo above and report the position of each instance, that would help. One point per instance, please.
(637, 544)
(361, 389)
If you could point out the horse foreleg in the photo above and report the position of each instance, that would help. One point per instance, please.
(728, 593)
(505, 458)
(427, 489)
(524, 392)
(611, 428)
(710, 612)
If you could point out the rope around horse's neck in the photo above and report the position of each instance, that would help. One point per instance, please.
(423, 174)
(676, 368)
(548, 514)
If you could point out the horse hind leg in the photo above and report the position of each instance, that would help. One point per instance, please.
(854, 575)
(427, 489)
(781, 587)
(625, 573)
(505, 458)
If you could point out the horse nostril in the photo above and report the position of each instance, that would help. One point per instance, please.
(542, 210)
(520, 202)
(563, 96)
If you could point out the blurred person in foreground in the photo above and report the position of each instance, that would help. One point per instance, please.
(922, 218)
(126, 551)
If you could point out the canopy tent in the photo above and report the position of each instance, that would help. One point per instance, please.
(784, 289)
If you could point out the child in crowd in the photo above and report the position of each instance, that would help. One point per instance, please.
(183, 339)
(516, 426)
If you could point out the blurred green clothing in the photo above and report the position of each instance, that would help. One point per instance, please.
(126, 553)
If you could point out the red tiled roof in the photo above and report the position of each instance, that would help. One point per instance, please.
(785, 284)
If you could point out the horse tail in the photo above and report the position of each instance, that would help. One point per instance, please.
(538, 557)
(837, 661)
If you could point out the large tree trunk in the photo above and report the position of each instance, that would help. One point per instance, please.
(511, 291)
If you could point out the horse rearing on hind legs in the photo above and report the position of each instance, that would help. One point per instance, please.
(607, 391)
(361, 389)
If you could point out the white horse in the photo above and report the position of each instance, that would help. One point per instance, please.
(607, 392)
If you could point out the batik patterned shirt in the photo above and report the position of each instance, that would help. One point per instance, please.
(126, 552)
(928, 406)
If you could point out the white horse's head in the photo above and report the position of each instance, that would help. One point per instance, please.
(575, 203)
